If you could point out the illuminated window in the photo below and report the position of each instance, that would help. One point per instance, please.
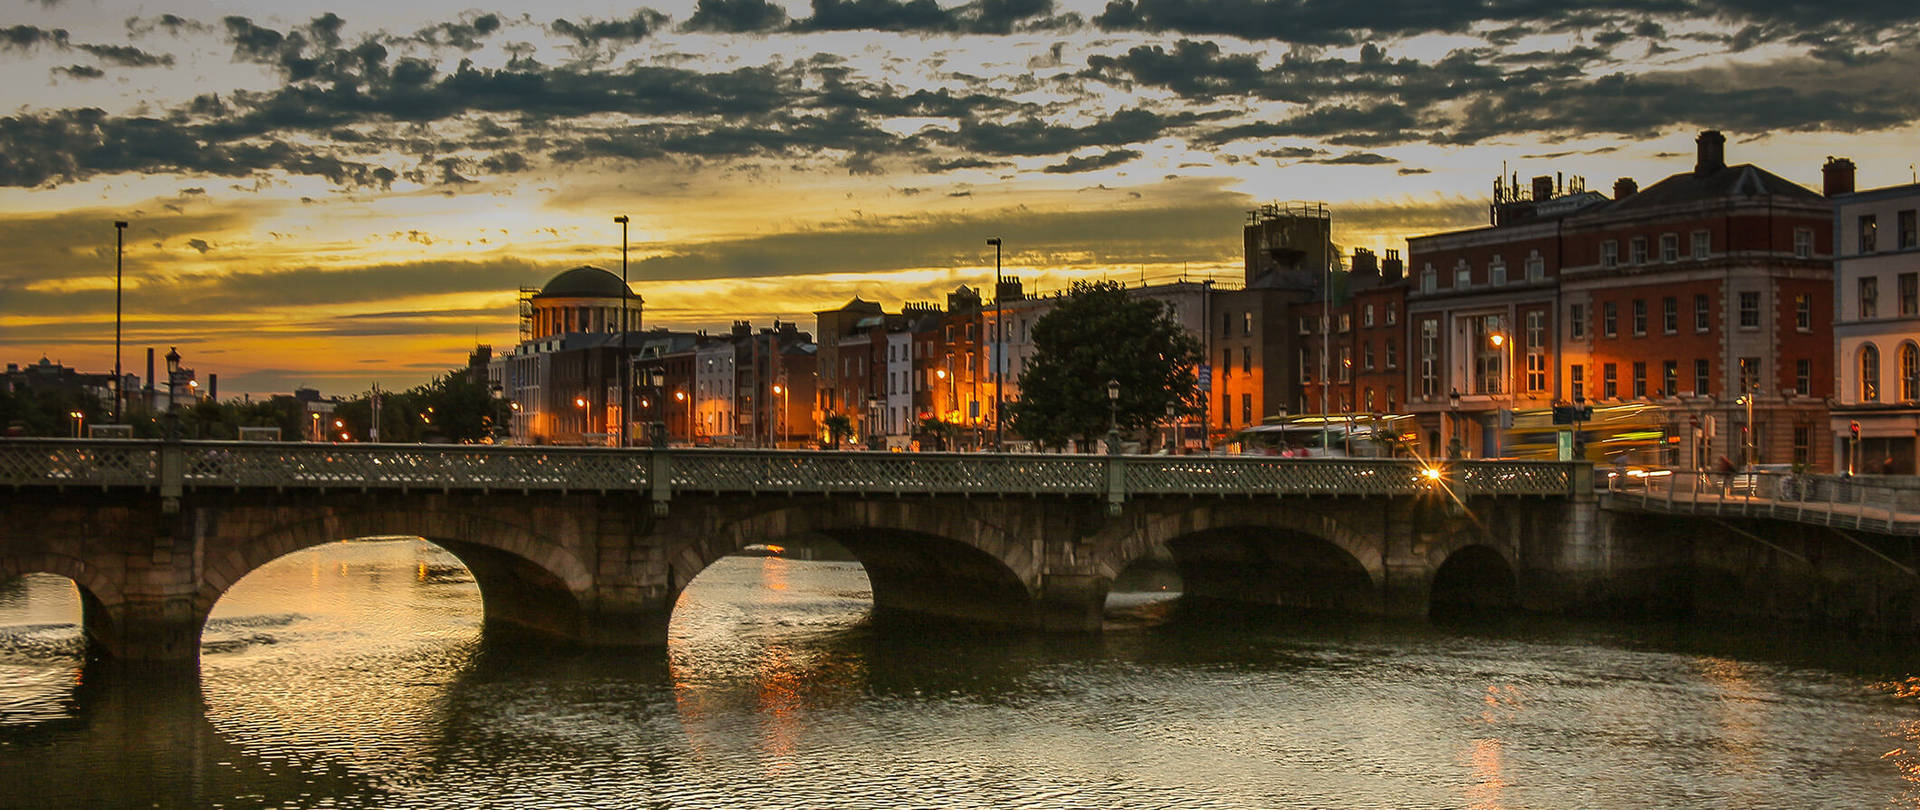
(1869, 373)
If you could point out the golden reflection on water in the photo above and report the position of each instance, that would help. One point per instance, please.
(1486, 761)
(1740, 706)
(1905, 735)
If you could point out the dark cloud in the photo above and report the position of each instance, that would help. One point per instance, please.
(1074, 165)
(1032, 136)
(1291, 152)
(127, 56)
(25, 37)
(200, 245)
(173, 23)
(590, 32)
(735, 16)
(1403, 171)
(81, 71)
(1356, 159)
(467, 34)
(923, 16)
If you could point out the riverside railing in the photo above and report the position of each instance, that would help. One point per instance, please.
(1885, 504)
(175, 467)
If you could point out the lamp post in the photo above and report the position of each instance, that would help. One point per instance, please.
(586, 422)
(1173, 432)
(1113, 416)
(998, 329)
(780, 419)
(680, 401)
(873, 427)
(77, 418)
(657, 383)
(119, 253)
(173, 383)
(626, 385)
(1505, 382)
(1453, 423)
(1747, 454)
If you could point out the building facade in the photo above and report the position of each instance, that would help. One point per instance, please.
(1876, 325)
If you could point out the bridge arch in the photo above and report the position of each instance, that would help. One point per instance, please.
(1474, 577)
(100, 597)
(528, 584)
(1257, 554)
(923, 559)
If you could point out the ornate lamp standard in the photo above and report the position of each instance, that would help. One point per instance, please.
(119, 252)
(77, 418)
(1501, 342)
(173, 384)
(1113, 416)
(999, 329)
(626, 384)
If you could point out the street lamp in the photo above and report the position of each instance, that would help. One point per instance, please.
(585, 418)
(656, 382)
(119, 253)
(1113, 416)
(626, 384)
(173, 382)
(1173, 431)
(779, 419)
(999, 329)
(77, 418)
(873, 427)
(1500, 342)
(1453, 423)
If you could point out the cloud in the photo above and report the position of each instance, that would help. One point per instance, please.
(1074, 165)
(467, 34)
(1403, 171)
(1356, 159)
(81, 71)
(200, 245)
(590, 32)
(735, 16)
(923, 16)
(27, 37)
(127, 56)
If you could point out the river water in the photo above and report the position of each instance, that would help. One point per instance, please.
(354, 675)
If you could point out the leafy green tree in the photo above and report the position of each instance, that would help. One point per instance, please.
(1097, 332)
(32, 412)
(944, 433)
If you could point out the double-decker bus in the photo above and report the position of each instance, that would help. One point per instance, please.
(1629, 433)
(1333, 436)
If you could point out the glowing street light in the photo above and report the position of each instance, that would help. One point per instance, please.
(78, 417)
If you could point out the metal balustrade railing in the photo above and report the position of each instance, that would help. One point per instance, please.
(179, 466)
(1883, 504)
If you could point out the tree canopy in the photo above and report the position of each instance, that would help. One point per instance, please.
(1096, 333)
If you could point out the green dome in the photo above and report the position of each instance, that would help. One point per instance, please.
(585, 281)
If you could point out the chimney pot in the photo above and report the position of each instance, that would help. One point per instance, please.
(1542, 188)
(1837, 177)
(1713, 153)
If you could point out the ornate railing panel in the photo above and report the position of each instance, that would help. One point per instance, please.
(1253, 476)
(79, 463)
(905, 473)
(1516, 477)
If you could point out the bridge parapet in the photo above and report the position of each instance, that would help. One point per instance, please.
(176, 467)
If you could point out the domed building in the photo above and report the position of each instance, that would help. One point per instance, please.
(584, 299)
(564, 376)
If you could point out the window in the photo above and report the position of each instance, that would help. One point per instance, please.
(1749, 374)
(1909, 371)
(1909, 232)
(1246, 359)
(1226, 410)
(1869, 373)
(1639, 316)
(1702, 244)
(1576, 320)
(1702, 313)
(1609, 319)
(1702, 377)
(1637, 250)
(1346, 322)
(1610, 253)
(1909, 294)
(1803, 243)
(1669, 247)
(1304, 325)
(1366, 316)
(1462, 276)
(1246, 323)
(1869, 297)
(1609, 381)
(1429, 342)
(1368, 401)
(1393, 354)
(1803, 376)
(1346, 363)
(1670, 378)
(1670, 315)
(1536, 266)
(1226, 323)
(1577, 379)
(1869, 233)
(1536, 372)
(969, 331)
(1497, 272)
(1802, 444)
(1803, 312)
(1429, 280)
(1246, 409)
(1639, 379)
(1226, 362)
(1393, 313)
(1750, 310)
(1366, 355)
(1536, 351)
(1306, 367)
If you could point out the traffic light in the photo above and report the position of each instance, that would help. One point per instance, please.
(1853, 427)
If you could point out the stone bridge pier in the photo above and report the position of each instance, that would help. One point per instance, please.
(606, 569)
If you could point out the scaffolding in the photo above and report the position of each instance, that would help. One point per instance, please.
(526, 312)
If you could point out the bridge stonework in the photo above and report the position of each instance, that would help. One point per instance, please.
(607, 568)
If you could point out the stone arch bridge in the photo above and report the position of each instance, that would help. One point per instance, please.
(594, 545)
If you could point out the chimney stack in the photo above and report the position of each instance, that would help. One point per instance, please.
(1364, 262)
(213, 388)
(1837, 177)
(149, 376)
(1542, 188)
(1391, 268)
(1713, 153)
(1624, 188)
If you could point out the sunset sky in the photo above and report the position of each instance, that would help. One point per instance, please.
(354, 192)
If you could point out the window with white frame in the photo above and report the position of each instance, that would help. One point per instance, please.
(1803, 243)
(1429, 349)
(1497, 271)
(1576, 321)
(1669, 247)
(1702, 313)
(1869, 373)
(1702, 244)
(1429, 280)
(1750, 310)
(1637, 250)
(1610, 253)
(1462, 275)
(1366, 318)
(1869, 297)
(1536, 266)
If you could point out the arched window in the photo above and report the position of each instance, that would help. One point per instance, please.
(1909, 371)
(1869, 373)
